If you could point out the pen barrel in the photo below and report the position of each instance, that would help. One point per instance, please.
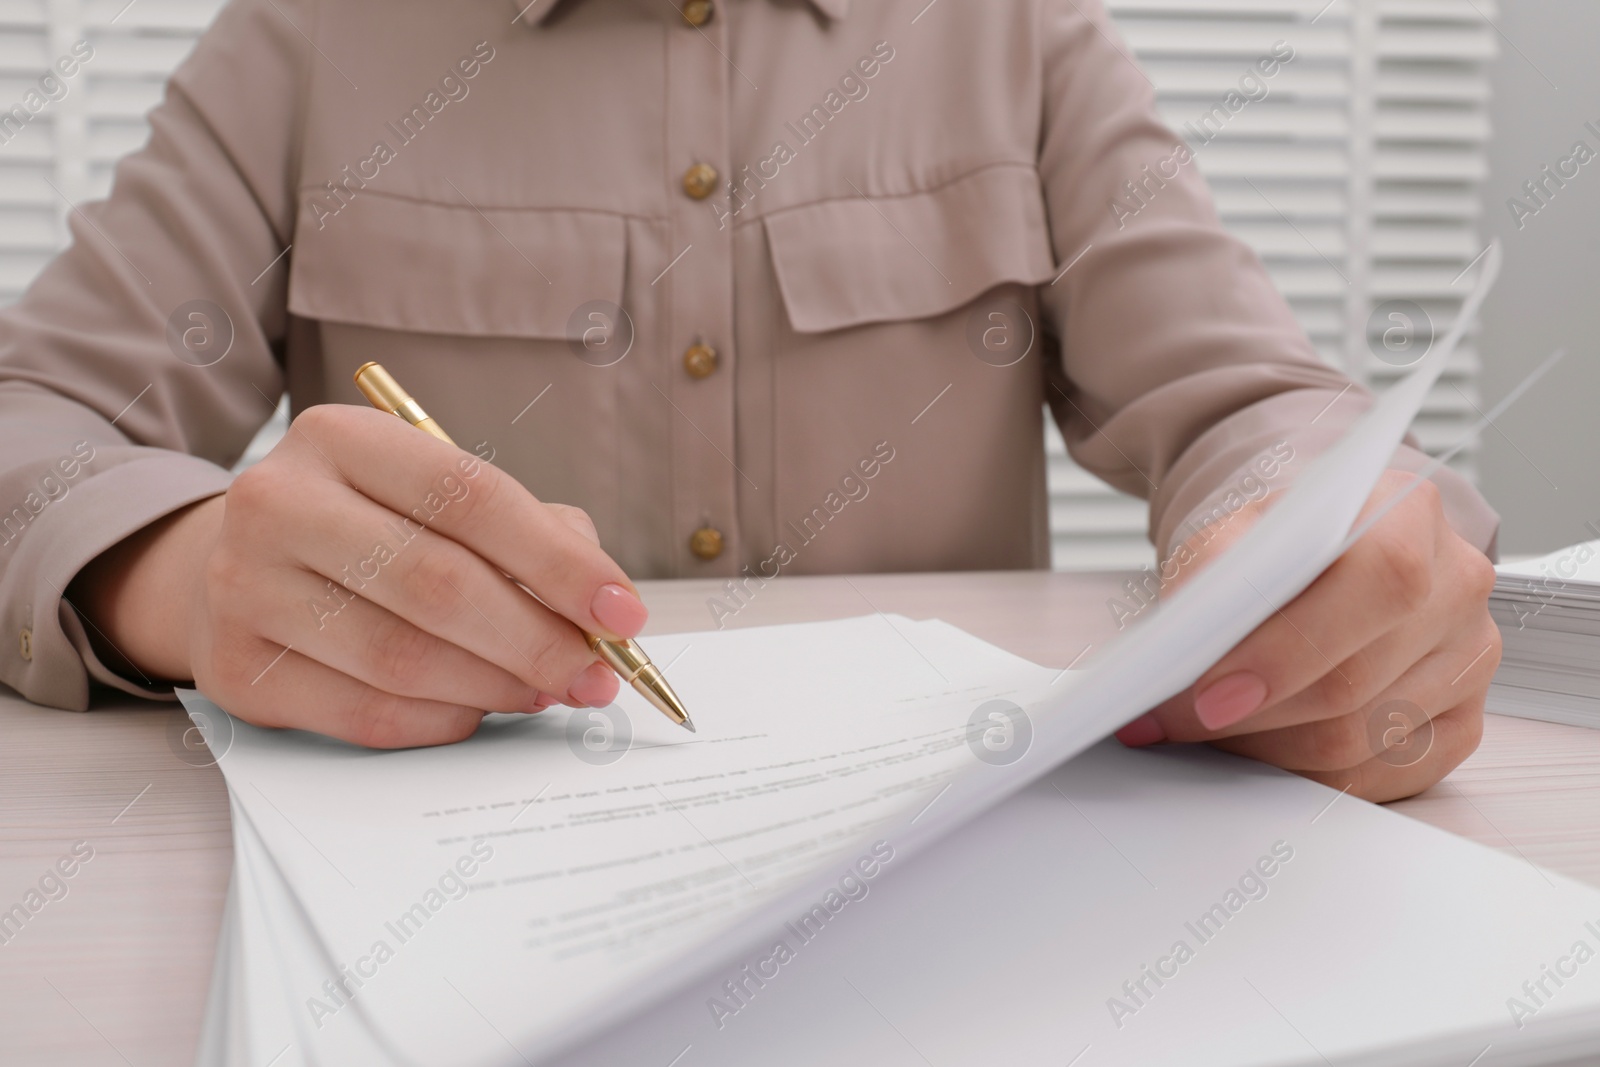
(624, 657)
(385, 393)
(429, 426)
(651, 679)
(380, 388)
(635, 668)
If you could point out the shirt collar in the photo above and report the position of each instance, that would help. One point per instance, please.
(539, 10)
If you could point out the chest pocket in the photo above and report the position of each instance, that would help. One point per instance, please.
(480, 315)
(417, 267)
(854, 261)
(893, 303)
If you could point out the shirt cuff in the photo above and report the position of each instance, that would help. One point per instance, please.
(50, 660)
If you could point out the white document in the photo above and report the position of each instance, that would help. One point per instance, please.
(1373, 940)
(501, 899)
(1572, 570)
(1378, 939)
(519, 866)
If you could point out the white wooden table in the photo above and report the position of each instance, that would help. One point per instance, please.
(115, 971)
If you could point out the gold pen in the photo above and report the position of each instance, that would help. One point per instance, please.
(625, 657)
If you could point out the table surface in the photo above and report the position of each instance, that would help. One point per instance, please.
(115, 971)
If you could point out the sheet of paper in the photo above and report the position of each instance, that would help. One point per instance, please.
(583, 866)
(1165, 653)
(553, 893)
(1576, 564)
(1116, 914)
(1265, 569)
(212, 1047)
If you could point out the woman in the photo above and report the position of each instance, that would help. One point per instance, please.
(712, 273)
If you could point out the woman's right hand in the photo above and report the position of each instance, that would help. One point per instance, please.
(354, 583)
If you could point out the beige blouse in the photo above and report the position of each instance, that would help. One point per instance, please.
(766, 286)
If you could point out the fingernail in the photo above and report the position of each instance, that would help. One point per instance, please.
(538, 703)
(1145, 730)
(1229, 700)
(595, 687)
(618, 610)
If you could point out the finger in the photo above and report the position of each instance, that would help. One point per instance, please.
(354, 636)
(577, 519)
(271, 686)
(480, 507)
(1441, 680)
(1383, 579)
(1460, 597)
(443, 589)
(1345, 688)
(1454, 736)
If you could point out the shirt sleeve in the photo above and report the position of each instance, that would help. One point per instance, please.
(1181, 363)
(138, 366)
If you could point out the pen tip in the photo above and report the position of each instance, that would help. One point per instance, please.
(652, 685)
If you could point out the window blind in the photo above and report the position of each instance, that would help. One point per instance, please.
(1357, 178)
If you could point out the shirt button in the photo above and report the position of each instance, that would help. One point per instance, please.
(25, 644)
(700, 361)
(700, 180)
(706, 543)
(698, 12)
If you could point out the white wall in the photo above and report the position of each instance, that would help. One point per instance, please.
(1541, 466)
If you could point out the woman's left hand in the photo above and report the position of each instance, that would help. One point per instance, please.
(1371, 680)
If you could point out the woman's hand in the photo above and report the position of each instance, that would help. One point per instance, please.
(354, 583)
(1374, 678)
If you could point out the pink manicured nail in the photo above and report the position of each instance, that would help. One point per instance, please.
(596, 687)
(1229, 700)
(619, 610)
(1145, 730)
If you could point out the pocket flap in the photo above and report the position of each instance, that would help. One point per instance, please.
(431, 268)
(858, 260)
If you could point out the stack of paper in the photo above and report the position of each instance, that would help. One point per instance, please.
(1170, 907)
(588, 888)
(1548, 611)
(540, 873)
(557, 883)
